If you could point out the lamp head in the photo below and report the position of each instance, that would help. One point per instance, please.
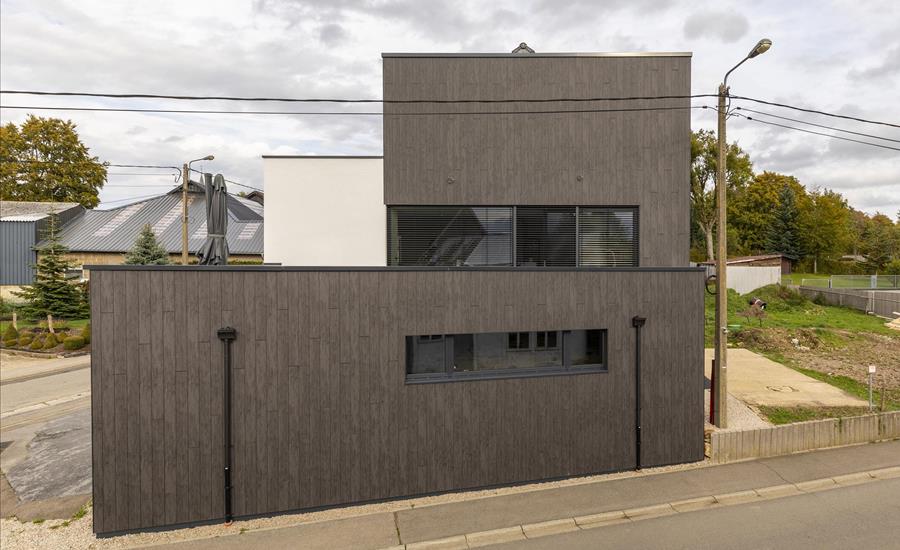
(210, 157)
(761, 47)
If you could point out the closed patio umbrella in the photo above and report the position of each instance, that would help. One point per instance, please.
(215, 249)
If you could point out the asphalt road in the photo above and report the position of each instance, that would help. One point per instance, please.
(861, 516)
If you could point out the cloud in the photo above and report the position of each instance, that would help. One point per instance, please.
(332, 34)
(725, 26)
(888, 68)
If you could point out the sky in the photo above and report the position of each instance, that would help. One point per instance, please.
(838, 56)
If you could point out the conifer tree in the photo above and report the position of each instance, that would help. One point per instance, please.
(147, 250)
(784, 233)
(51, 293)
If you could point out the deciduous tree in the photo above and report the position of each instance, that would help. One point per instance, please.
(45, 160)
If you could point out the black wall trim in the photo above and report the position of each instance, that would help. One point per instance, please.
(382, 268)
(638, 324)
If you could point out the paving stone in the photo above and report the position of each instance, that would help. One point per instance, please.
(602, 519)
(692, 504)
(645, 512)
(738, 497)
(815, 485)
(778, 491)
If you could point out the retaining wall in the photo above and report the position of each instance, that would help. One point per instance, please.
(729, 446)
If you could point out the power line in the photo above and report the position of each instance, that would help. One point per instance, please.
(817, 125)
(815, 111)
(64, 162)
(818, 133)
(230, 181)
(338, 100)
(341, 113)
(135, 199)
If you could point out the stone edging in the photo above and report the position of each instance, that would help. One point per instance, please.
(553, 527)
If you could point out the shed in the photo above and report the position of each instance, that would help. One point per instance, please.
(22, 225)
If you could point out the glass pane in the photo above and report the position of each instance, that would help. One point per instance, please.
(551, 339)
(608, 237)
(463, 352)
(545, 236)
(424, 355)
(450, 236)
(541, 340)
(586, 347)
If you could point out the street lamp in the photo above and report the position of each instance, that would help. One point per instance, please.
(186, 178)
(720, 381)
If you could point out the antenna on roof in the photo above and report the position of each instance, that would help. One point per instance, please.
(523, 48)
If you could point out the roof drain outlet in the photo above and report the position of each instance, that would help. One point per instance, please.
(227, 335)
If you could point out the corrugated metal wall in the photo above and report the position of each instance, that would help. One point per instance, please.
(17, 253)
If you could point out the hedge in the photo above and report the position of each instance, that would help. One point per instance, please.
(50, 341)
(86, 333)
(10, 333)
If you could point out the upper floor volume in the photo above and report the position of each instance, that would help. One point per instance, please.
(522, 159)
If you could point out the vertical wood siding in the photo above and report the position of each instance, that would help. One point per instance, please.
(322, 414)
(637, 158)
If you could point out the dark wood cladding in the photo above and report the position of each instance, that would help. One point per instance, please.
(322, 413)
(637, 158)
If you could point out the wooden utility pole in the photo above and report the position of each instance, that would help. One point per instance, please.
(720, 377)
(186, 177)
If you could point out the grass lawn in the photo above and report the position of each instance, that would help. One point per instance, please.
(788, 415)
(790, 310)
(795, 278)
(76, 323)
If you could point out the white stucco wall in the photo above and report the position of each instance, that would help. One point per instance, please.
(325, 211)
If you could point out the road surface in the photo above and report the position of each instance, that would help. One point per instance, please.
(860, 516)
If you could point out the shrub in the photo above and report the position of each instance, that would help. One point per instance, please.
(50, 341)
(10, 333)
(24, 340)
(73, 342)
(37, 343)
(10, 343)
(86, 333)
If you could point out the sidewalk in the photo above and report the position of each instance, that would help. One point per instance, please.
(18, 368)
(430, 523)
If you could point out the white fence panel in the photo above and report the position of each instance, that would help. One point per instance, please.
(744, 279)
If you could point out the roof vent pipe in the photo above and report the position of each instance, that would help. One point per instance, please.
(523, 48)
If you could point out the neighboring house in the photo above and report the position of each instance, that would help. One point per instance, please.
(782, 261)
(501, 298)
(22, 226)
(105, 236)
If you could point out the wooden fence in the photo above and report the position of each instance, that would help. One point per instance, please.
(729, 446)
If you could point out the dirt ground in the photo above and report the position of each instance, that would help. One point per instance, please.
(832, 351)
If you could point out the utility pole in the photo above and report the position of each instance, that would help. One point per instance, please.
(721, 334)
(720, 366)
(186, 177)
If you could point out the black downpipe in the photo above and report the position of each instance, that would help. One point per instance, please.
(227, 335)
(637, 323)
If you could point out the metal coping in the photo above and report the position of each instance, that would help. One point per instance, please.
(340, 157)
(288, 268)
(385, 55)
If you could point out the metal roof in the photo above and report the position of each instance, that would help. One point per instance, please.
(115, 230)
(35, 210)
(24, 218)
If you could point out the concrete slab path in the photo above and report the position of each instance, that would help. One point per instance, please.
(757, 380)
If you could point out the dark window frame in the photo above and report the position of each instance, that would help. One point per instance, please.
(515, 233)
(449, 375)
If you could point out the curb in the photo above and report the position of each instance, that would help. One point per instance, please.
(566, 525)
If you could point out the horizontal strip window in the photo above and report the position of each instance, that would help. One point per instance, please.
(446, 357)
(523, 236)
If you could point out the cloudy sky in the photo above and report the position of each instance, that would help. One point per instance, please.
(840, 56)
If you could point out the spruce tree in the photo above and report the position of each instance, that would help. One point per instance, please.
(784, 233)
(147, 250)
(51, 293)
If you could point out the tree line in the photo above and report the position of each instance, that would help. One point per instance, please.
(770, 212)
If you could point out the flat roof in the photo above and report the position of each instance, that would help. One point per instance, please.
(541, 54)
(323, 156)
(432, 269)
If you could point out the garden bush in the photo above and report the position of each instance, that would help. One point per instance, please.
(24, 340)
(37, 343)
(86, 333)
(50, 341)
(10, 343)
(73, 343)
(10, 333)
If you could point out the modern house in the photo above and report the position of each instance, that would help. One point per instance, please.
(22, 226)
(105, 236)
(506, 298)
